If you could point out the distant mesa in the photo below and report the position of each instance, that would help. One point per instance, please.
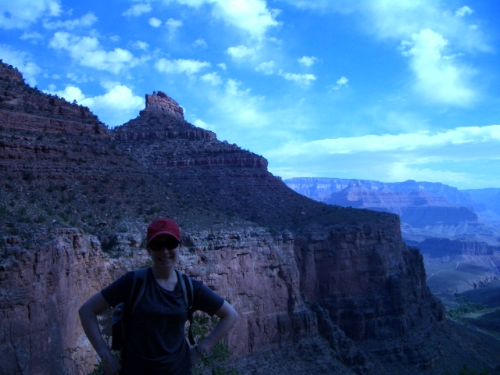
(160, 101)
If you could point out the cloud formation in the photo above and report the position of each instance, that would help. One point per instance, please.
(438, 77)
(154, 22)
(307, 60)
(301, 79)
(179, 66)
(266, 67)
(22, 61)
(433, 38)
(341, 82)
(241, 52)
(251, 16)
(463, 11)
(172, 26)
(19, 14)
(429, 156)
(138, 9)
(88, 52)
(115, 107)
(213, 78)
(399, 142)
(84, 21)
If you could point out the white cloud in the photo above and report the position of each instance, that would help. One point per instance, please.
(78, 79)
(251, 16)
(137, 9)
(154, 22)
(399, 142)
(139, 44)
(222, 66)
(415, 20)
(396, 19)
(172, 26)
(189, 67)
(307, 60)
(301, 79)
(34, 36)
(19, 14)
(463, 11)
(438, 77)
(200, 43)
(212, 78)
(341, 82)
(88, 52)
(85, 21)
(266, 67)
(429, 156)
(202, 124)
(115, 107)
(22, 61)
(237, 106)
(241, 52)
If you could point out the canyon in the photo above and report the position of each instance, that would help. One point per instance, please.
(319, 288)
(457, 231)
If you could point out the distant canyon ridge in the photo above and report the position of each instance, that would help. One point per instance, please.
(448, 225)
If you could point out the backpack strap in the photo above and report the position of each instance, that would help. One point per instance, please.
(139, 276)
(188, 299)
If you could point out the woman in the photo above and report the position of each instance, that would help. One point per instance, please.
(155, 342)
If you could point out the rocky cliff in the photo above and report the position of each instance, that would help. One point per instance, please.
(26, 108)
(442, 247)
(321, 188)
(318, 288)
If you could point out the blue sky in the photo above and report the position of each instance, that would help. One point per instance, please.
(383, 90)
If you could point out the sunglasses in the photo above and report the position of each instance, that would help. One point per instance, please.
(159, 245)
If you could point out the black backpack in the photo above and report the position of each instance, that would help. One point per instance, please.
(123, 310)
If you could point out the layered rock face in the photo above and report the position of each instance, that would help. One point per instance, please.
(442, 247)
(26, 108)
(370, 285)
(298, 271)
(162, 118)
(322, 188)
(160, 101)
(417, 208)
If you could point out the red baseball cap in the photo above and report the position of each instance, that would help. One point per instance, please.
(163, 226)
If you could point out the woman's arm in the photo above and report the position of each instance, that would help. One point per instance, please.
(88, 316)
(228, 317)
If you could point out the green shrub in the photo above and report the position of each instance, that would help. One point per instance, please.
(212, 362)
(465, 307)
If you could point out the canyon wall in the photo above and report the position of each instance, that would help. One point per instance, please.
(41, 288)
(360, 278)
(75, 207)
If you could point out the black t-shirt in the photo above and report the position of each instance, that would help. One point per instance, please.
(155, 342)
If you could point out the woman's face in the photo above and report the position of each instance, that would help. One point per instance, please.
(164, 250)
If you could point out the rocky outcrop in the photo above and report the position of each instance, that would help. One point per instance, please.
(442, 247)
(417, 208)
(321, 188)
(161, 102)
(41, 288)
(370, 285)
(27, 109)
(154, 125)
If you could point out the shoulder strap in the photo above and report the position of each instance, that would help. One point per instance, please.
(188, 299)
(187, 294)
(139, 276)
